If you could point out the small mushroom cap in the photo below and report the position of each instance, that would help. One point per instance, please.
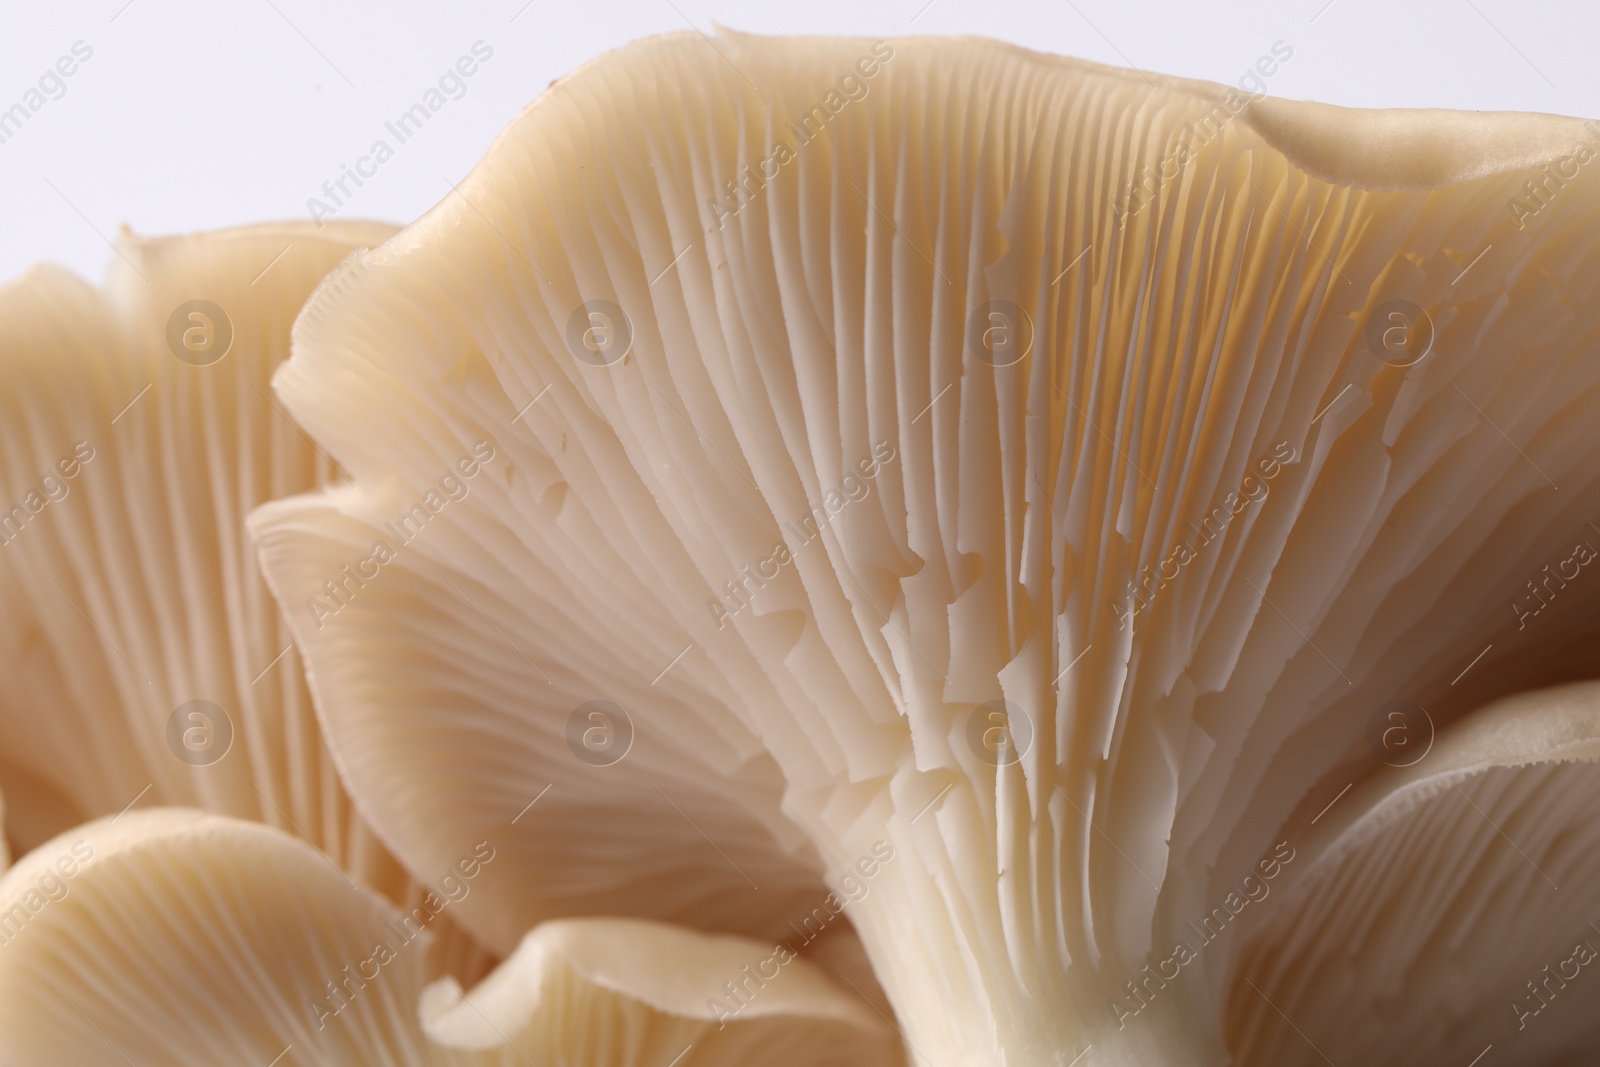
(172, 936)
(1434, 896)
(145, 659)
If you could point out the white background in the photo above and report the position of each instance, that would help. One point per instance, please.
(195, 116)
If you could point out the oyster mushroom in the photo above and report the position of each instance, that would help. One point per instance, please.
(769, 469)
(244, 933)
(145, 660)
(266, 953)
(845, 425)
(1446, 900)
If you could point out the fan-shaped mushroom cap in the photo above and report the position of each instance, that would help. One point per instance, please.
(145, 660)
(1430, 903)
(1007, 459)
(190, 939)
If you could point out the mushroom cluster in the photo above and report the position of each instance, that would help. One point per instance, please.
(781, 564)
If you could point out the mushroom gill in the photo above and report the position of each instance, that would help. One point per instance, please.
(146, 663)
(981, 502)
(194, 939)
(1448, 900)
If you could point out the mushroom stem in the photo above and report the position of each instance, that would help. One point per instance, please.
(969, 988)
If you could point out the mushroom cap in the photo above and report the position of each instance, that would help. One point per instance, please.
(1007, 459)
(188, 938)
(1436, 894)
(146, 661)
